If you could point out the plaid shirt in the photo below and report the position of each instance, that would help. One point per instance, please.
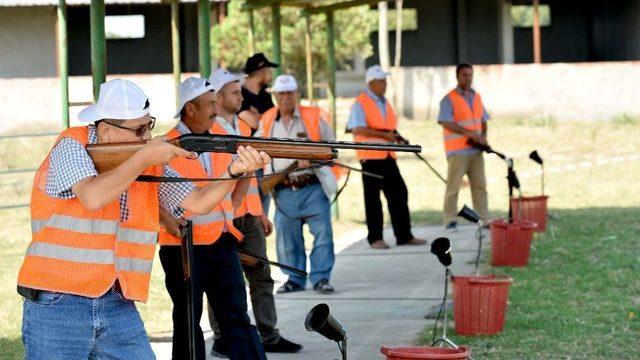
(70, 163)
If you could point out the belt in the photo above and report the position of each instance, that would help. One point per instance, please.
(299, 182)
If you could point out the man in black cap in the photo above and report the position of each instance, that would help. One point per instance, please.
(256, 99)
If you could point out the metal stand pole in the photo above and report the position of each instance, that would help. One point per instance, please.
(444, 339)
(479, 236)
(343, 349)
(187, 270)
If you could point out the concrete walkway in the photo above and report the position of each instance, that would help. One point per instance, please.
(381, 296)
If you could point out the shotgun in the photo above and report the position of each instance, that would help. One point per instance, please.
(109, 156)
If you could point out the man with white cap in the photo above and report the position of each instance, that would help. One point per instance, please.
(217, 270)
(94, 235)
(252, 223)
(303, 198)
(373, 120)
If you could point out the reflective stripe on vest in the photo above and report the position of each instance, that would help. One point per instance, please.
(82, 252)
(464, 116)
(207, 228)
(375, 121)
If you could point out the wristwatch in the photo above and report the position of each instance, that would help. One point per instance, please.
(234, 176)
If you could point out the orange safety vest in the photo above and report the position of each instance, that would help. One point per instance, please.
(208, 228)
(464, 116)
(83, 252)
(375, 121)
(311, 117)
(251, 203)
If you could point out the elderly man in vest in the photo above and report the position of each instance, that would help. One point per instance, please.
(303, 198)
(372, 120)
(94, 235)
(217, 269)
(464, 121)
(252, 223)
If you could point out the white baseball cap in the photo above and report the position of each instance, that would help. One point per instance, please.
(375, 72)
(284, 83)
(222, 77)
(190, 89)
(118, 99)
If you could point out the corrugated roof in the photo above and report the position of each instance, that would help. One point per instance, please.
(24, 3)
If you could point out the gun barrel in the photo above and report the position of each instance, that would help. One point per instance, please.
(242, 140)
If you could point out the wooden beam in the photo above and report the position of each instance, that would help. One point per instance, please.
(338, 6)
(175, 47)
(276, 22)
(537, 56)
(308, 56)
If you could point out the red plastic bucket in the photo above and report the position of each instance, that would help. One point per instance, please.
(424, 352)
(510, 242)
(480, 303)
(534, 208)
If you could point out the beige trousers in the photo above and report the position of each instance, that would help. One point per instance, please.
(473, 166)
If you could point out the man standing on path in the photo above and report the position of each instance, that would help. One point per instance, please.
(252, 223)
(373, 120)
(464, 121)
(216, 267)
(303, 197)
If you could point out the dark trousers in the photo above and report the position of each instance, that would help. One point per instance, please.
(397, 196)
(216, 272)
(260, 281)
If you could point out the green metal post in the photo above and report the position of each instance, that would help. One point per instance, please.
(204, 37)
(63, 63)
(309, 57)
(175, 46)
(331, 88)
(252, 38)
(98, 45)
(275, 32)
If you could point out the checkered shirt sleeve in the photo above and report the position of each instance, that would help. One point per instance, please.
(171, 195)
(69, 163)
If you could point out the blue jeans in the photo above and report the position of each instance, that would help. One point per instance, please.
(63, 326)
(295, 208)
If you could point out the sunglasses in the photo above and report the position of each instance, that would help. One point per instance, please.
(140, 130)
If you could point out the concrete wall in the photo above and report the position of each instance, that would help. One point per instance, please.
(33, 103)
(27, 42)
(581, 91)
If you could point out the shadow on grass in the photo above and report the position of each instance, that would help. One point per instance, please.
(11, 348)
(578, 296)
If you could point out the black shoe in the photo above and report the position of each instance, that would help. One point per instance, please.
(289, 286)
(282, 346)
(220, 349)
(323, 287)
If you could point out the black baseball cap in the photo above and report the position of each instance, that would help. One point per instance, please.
(257, 62)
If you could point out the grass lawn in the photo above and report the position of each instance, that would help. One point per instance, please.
(575, 298)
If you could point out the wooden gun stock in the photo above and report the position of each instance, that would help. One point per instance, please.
(267, 184)
(108, 156)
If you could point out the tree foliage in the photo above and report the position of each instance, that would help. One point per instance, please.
(230, 40)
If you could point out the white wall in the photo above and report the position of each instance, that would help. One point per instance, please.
(577, 91)
(27, 42)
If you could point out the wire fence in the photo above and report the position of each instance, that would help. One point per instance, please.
(20, 170)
